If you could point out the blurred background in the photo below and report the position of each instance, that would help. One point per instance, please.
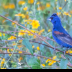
(17, 45)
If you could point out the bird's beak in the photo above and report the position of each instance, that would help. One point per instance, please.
(49, 19)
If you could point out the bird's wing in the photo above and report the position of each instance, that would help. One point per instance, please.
(66, 38)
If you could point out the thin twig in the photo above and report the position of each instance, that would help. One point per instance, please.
(51, 47)
(8, 32)
(27, 30)
(25, 53)
(38, 43)
(65, 4)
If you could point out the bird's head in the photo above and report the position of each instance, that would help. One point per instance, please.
(54, 19)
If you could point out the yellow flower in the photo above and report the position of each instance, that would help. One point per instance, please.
(34, 36)
(35, 24)
(10, 54)
(11, 38)
(40, 31)
(38, 2)
(71, 12)
(33, 46)
(11, 6)
(20, 59)
(69, 15)
(25, 8)
(53, 61)
(66, 13)
(20, 41)
(20, 51)
(14, 23)
(8, 50)
(60, 8)
(21, 2)
(58, 13)
(3, 20)
(3, 59)
(50, 63)
(54, 57)
(47, 4)
(2, 62)
(0, 34)
(31, 1)
(39, 8)
(23, 16)
(38, 48)
(65, 0)
(27, 16)
(19, 14)
(49, 30)
(69, 51)
(48, 60)
(19, 46)
(27, 12)
(11, 49)
(30, 34)
(3, 68)
(14, 44)
(3, 34)
(22, 32)
(5, 6)
(43, 65)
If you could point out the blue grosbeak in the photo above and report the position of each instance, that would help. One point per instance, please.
(59, 33)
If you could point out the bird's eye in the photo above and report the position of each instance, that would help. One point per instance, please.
(51, 18)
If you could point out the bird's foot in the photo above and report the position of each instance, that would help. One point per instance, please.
(64, 52)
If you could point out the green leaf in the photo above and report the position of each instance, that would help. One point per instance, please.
(28, 45)
(34, 63)
(63, 63)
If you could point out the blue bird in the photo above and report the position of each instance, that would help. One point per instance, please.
(59, 34)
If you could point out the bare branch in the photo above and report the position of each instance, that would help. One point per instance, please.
(27, 30)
